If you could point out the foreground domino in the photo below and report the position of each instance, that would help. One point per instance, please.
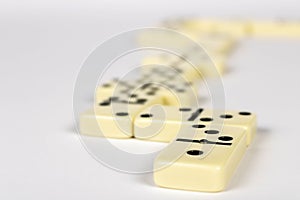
(204, 165)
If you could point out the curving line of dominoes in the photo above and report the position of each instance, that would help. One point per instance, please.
(126, 109)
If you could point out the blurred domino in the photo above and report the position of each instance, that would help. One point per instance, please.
(275, 29)
(113, 117)
(235, 28)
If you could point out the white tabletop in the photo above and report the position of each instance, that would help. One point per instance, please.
(42, 46)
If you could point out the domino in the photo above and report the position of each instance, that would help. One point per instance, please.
(174, 88)
(275, 29)
(190, 70)
(114, 116)
(121, 89)
(115, 87)
(236, 28)
(163, 123)
(217, 43)
(209, 65)
(198, 163)
(172, 67)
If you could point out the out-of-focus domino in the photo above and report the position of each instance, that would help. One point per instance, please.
(163, 123)
(275, 29)
(113, 117)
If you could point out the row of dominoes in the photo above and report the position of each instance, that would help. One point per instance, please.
(142, 116)
(219, 37)
(205, 145)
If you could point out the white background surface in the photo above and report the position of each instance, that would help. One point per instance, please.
(43, 44)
